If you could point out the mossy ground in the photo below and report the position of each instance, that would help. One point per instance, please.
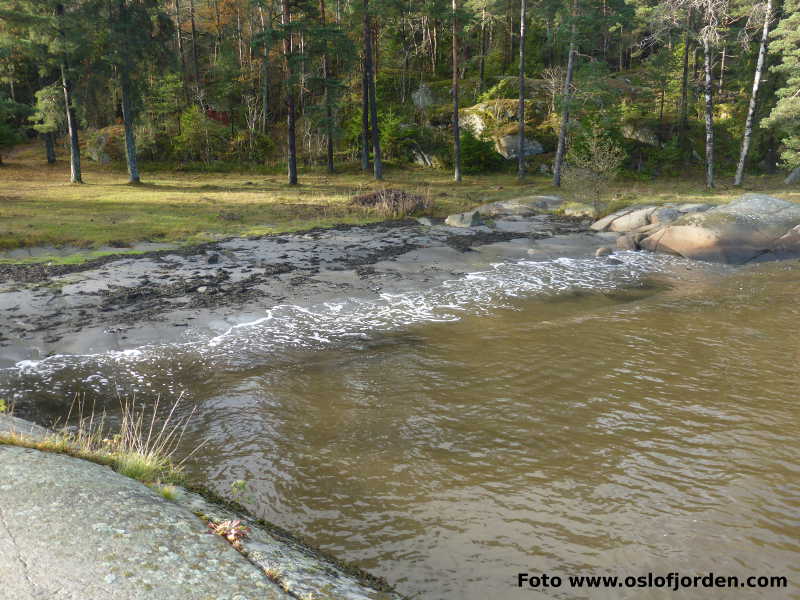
(39, 207)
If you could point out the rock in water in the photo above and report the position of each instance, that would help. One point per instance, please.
(465, 219)
(735, 233)
(604, 251)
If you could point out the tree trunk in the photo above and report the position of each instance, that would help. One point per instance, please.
(196, 67)
(72, 127)
(290, 119)
(562, 133)
(482, 64)
(265, 68)
(364, 117)
(179, 40)
(721, 81)
(685, 78)
(328, 106)
(50, 147)
(456, 130)
(751, 111)
(127, 109)
(127, 118)
(377, 163)
(521, 106)
(709, 114)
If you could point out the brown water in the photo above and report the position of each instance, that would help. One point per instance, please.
(609, 433)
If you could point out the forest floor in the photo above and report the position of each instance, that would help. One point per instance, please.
(39, 208)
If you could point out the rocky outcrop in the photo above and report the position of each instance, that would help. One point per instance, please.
(508, 146)
(80, 530)
(793, 177)
(640, 133)
(752, 227)
(522, 207)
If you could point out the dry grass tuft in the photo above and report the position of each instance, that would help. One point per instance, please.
(140, 447)
(394, 204)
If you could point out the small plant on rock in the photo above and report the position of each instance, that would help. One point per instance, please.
(233, 531)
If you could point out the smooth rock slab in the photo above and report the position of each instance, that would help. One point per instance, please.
(735, 233)
(75, 530)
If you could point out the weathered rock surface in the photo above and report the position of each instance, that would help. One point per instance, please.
(523, 207)
(640, 133)
(21, 427)
(793, 177)
(637, 217)
(73, 530)
(736, 233)
(508, 146)
(465, 219)
(290, 564)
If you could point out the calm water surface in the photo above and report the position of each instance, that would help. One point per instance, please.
(611, 426)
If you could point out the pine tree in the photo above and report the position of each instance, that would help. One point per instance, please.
(785, 116)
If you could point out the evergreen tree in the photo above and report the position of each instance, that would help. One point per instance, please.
(785, 116)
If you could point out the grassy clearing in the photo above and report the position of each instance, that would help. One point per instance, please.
(138, 448)
(38, 207)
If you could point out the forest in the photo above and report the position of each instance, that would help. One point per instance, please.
(642, 88)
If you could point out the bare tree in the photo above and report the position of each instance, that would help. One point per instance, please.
(751, 111)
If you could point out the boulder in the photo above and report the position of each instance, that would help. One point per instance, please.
(629, 241)
(523, 207)
(640, 133)
(426, 221)
(508, 145)
(604, 223)
(633, 220)
(788, 245)
(793, 177)
(465, 219)
(635, 217)
(603, 251)
(665, 215)
(694, 208)
(734, 233)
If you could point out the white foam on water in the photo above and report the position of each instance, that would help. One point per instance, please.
(292, 327)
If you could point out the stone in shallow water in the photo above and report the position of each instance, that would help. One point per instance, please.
(604, 251)
(465, 219)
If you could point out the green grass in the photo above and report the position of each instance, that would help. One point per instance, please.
(38, 207)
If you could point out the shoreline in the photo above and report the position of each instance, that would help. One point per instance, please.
(269, 560)
(124, 302)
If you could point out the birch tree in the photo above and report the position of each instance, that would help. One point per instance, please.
(751, 111)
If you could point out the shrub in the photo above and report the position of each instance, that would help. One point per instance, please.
(250, 146)
(201, 137)
(592, 161)
(478, 156)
